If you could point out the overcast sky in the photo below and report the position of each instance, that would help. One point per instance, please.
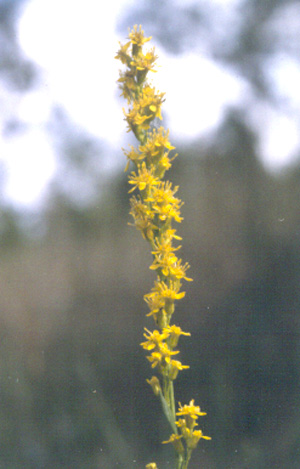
(74, 44)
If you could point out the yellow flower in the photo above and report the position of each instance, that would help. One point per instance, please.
(160, 139)
(174, 333)
(178, 271)
(144, 62)
(181, 423)
(123, 55)
(145, 108)
(155, 303)
(175, 440)
(190, 410)
(154, 339)
(159, 358)
(195, 436)
(190, 413)
(171, 234)
(164, 246)
(162, 296)
(165, 204)
(156, 150)
(155, 358)
(133, 155)
(137, 120)
(143, 179)
(139, 209)
(150, 101)
(127, 84)
(154, 383)
(136, 36)
(191, 436)
(164, 263)
(175, 367)
(142, 218)
(164, 164)
(165, 194)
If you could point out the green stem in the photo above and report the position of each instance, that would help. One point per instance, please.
(172, 399)
(179, 461)
(187, 459)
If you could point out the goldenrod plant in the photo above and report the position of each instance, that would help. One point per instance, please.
(154, 209)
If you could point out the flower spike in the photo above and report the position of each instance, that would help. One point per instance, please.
(155, 208)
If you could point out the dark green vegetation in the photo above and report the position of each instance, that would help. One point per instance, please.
(72, 314)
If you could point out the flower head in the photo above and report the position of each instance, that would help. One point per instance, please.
(145, 62)
(190, 410)
(162, 296)
(161, 357)
(175, 367)
(154, 383)
(176, 442)
(137, 37)
(154, 339)
(122, 53)
(156, 150)
(143, 218)
(174, 333)
(165, 204)
(135, 156)
(195, 436)
(143, 179)
(190, 414)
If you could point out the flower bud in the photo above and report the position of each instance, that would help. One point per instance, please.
(154, 383)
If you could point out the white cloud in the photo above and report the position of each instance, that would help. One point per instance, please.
(280, 141)
(30, 164)
(198, 92)
(74, 42)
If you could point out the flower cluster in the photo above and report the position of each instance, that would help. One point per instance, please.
(161, 346)
(154, 208)
(187, 424)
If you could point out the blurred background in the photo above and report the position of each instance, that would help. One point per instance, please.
(73, 273)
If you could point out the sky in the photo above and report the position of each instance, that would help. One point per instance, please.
(73, 44)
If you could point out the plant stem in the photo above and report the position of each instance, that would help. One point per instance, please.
(180, 461)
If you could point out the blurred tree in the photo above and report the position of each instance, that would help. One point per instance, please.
(80, 177)
(17, 72)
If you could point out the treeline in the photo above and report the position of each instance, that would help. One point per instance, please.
(73, 388)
